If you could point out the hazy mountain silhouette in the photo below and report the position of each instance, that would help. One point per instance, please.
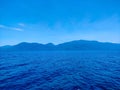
(73, 45)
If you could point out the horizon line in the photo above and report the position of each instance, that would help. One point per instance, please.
(60, 43)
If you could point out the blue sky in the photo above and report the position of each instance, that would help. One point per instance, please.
(59, 21)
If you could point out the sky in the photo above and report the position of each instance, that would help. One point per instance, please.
(59, 21)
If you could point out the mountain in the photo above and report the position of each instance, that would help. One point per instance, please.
(24, 46)
(73, 45)
(88, 45)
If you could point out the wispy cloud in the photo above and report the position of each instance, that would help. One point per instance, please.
(2, 26)
(11, 28)
(17, 29)
(21, 24)
(105, 30)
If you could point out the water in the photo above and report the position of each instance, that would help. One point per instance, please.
(60, 70)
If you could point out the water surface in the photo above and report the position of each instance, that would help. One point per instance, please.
(60, 70)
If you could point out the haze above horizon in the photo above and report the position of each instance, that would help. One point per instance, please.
(58, 21)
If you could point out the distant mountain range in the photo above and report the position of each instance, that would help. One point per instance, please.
(73, 45)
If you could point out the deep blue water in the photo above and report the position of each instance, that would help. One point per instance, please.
(60, 70)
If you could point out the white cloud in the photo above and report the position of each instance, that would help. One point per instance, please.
(11, 28)
(17, 29)
(21, 24)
